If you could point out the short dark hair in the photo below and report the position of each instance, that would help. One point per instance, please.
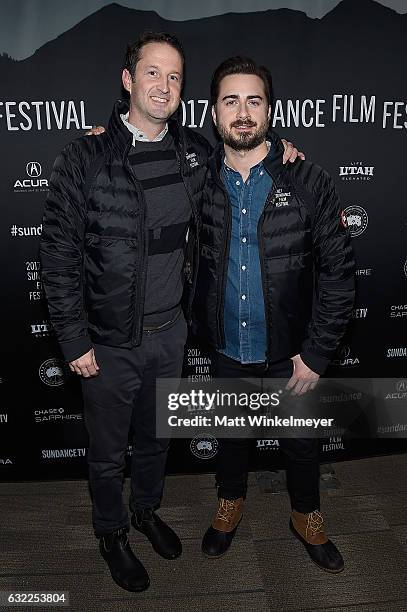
(240, 65)
(133, 53)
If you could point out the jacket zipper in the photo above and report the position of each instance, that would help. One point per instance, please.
(263, 273)
(196, 246)
(141, 286)
(220, 314)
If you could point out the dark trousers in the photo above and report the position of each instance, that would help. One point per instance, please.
(122, 398)
(301, 454)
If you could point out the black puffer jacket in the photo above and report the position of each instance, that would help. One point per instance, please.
(306, 260)
(94, 243)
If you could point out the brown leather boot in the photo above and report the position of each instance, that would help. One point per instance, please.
(220, 534)
(309, 530)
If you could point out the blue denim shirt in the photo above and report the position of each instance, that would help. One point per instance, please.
(245, 323)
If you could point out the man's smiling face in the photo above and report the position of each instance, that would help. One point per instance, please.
(156, 88)
(241, 113)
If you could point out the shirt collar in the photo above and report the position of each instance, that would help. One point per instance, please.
(260, 164)
(138, 134)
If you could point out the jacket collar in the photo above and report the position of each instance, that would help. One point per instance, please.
(273, 161)
(122, 137)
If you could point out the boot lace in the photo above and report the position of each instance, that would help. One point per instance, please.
(315, 522)
(226, 509)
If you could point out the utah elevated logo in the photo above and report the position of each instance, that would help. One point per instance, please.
(356, 171)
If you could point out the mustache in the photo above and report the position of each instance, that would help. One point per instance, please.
(243, 124)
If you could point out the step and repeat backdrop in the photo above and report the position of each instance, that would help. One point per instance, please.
(340, 96)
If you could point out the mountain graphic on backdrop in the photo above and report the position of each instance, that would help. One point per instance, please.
(365, 34)
(358, 47)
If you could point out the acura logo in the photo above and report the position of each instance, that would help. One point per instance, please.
(33, 169)
(344, 352)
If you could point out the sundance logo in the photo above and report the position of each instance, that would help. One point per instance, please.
(3, 418)
(282, 198)
(22, 231)
(63, 453)
(33, 170)
(397, 352)
(335, 443)
(192, 160)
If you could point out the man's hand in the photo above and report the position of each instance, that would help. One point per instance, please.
(99, 129)
(303, 378)
(86, 365)
(290, 152)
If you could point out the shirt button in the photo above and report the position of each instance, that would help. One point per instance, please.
(243, 267)
(244, 211)
(237, 182)
(261, 172)
(244, 324)
(243, 239)
(243, 297)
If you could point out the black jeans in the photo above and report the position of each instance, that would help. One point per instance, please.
(301, 454)
(120, 398)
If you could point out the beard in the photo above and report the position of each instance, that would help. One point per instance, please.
(246, 141)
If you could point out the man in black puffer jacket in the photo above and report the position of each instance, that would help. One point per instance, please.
(119, 239)
(275, 288)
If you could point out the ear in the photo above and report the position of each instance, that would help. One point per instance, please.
(126, 80)
(269, 113)
(214, 115)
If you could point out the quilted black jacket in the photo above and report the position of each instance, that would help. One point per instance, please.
(94, 243)
(306, 261)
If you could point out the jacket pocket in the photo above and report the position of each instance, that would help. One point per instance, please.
(104, 241)
(290, 263)
(110, 272)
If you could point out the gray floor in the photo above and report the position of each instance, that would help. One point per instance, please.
(46, 543)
